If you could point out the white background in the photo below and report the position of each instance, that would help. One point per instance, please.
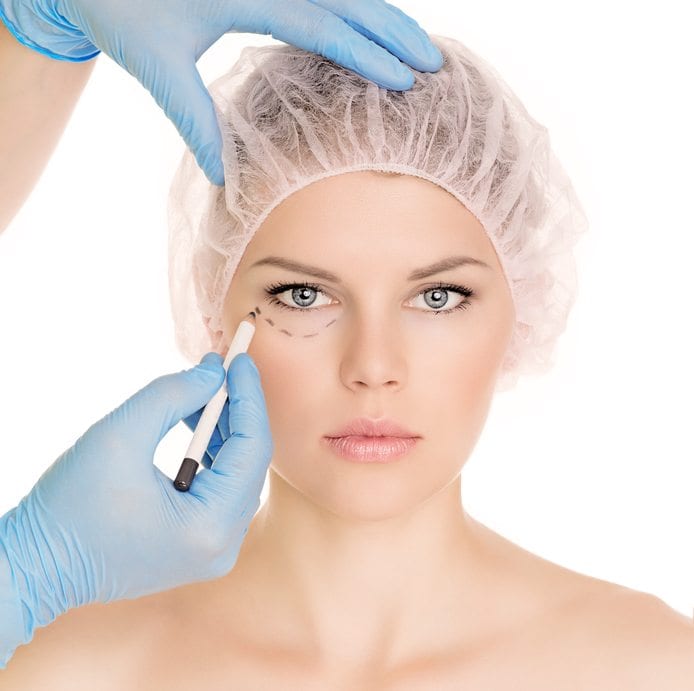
(589, 466)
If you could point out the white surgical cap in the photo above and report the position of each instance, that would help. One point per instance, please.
(289, 117)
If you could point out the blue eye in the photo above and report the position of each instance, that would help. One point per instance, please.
(302, 292)
(445, 288)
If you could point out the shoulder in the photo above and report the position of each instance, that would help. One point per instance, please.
(658, 641)
(592, 633)
(95, 646)
(635, 640)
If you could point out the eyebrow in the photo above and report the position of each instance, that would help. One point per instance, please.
(418, 274)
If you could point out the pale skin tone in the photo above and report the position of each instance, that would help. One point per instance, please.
(37, 97)
(510, 619)
(336, 540)
(332, 551)
(373, 577)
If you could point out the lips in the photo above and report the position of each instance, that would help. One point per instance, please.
(368, 427)
(371, 449)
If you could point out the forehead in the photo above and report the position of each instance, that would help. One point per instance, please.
(369, 211)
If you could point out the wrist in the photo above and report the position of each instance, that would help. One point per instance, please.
(46, 31)
(28, 597)
(16, 626)
(13, 624)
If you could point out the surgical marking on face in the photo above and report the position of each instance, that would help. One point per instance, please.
(284, 331)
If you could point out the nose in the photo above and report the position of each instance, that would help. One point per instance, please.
(374, 354)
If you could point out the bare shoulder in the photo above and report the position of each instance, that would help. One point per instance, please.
(659, 642)
(96, 646)
(581, 632)
(632, 639)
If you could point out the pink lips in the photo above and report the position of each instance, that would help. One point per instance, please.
(367, 427)
(371, 449)
(372, 441)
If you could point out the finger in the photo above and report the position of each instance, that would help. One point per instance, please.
(318, 30)
(246, 454)
(214, 359)
(389, 27)
(220, 432)
(177, 87)
(167, 400)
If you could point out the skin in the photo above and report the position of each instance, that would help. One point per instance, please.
(37, 97)
(333, 549)
(364, 576)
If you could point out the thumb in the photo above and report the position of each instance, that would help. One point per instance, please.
(181, 93)
(243, 460)
(165, 401)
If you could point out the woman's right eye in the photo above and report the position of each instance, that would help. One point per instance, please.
(302, 295)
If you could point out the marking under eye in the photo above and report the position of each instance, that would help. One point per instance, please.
(284, 331)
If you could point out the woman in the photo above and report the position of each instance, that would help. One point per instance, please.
(372, 575)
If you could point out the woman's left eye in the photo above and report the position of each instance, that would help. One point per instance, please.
(302, 292)
(438, 294)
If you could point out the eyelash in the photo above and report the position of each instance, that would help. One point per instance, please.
(277, 288)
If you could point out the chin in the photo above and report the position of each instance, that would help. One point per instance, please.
(367, 492)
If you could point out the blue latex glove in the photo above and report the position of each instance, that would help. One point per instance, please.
(104, 523)
(160, 42)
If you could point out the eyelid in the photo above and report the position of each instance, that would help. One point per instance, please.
(281, 287)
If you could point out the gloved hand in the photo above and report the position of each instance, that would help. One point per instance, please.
(160, 42)
(104, 523)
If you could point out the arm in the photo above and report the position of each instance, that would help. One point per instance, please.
(159, 43)
(37, 96)
(92, 647)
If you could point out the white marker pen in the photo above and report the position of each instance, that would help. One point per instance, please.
(210, 415)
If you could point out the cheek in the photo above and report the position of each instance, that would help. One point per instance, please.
(458, 372)
(482, 345)
(465, 348)
(290, 377)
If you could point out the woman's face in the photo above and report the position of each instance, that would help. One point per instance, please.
(373, 342)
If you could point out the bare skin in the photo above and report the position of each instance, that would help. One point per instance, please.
(37, 97)
(364, 576)
(339, 538)
(586, 634)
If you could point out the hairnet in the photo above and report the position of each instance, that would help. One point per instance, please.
(289, 117)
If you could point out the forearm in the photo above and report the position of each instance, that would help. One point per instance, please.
(37, 97)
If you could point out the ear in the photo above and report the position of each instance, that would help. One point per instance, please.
(216, 338)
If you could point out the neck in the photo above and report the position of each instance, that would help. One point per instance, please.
(355, 591)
